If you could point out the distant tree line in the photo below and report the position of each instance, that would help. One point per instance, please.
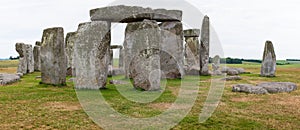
(228, 60)
(292, 59)
(14, 58)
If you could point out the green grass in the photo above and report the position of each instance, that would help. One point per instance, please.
(30, 105)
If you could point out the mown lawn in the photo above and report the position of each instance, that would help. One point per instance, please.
(30, 105)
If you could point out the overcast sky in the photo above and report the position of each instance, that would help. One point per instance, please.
(242, 26)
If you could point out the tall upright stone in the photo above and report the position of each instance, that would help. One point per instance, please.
(69, 44)
(21, 49)
(268, 66)
(142, 49)
(36, 55)
(121, 58)
(30, 58)
(53, 58)
(192, 47)
(111, 62)
(204, 47)
(171, 53)
(91, 52)
(216, 62)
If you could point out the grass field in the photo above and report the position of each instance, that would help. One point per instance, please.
(30, 105)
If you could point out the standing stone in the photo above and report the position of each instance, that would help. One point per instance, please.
(142, 46)
(268, 67)
(53, 58)
(70, 40)
(21, 49)
(216, 65)
(91, 52)
(192, 47)
(204, 47)
(121, 58)
(29, 58)
(37, 58)
(111, 63)
(111, 56)
(171, 53)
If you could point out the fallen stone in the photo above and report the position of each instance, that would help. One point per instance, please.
(248, 88)
(91, 55)
(6, 79)
(268, 66)
(230, 78)
(53, 58)
(126, 14)
(233, 71)
(264, 88)
(278, 87)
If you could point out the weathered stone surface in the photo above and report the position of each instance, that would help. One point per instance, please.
(268, 67)
(248, 88)
(125, 14)
(6, 79)
(216, 62)
(216, 65)
(278, 87)
(264, 88)
(110, 71)
(37, 58)
(91, 55)
(38, 43)
(20, 75)
(191, 33)
(119, 71)
(121, 58)
(21, 49)
(29, 58)
(142, 62)
(53, 58)
(192, 51)
(204, 47)
(233, 71)
(171, 53)
(26, 61)
(192, 70)
(163, 15)
(70, 40)
(111, 57)
(230, 78)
